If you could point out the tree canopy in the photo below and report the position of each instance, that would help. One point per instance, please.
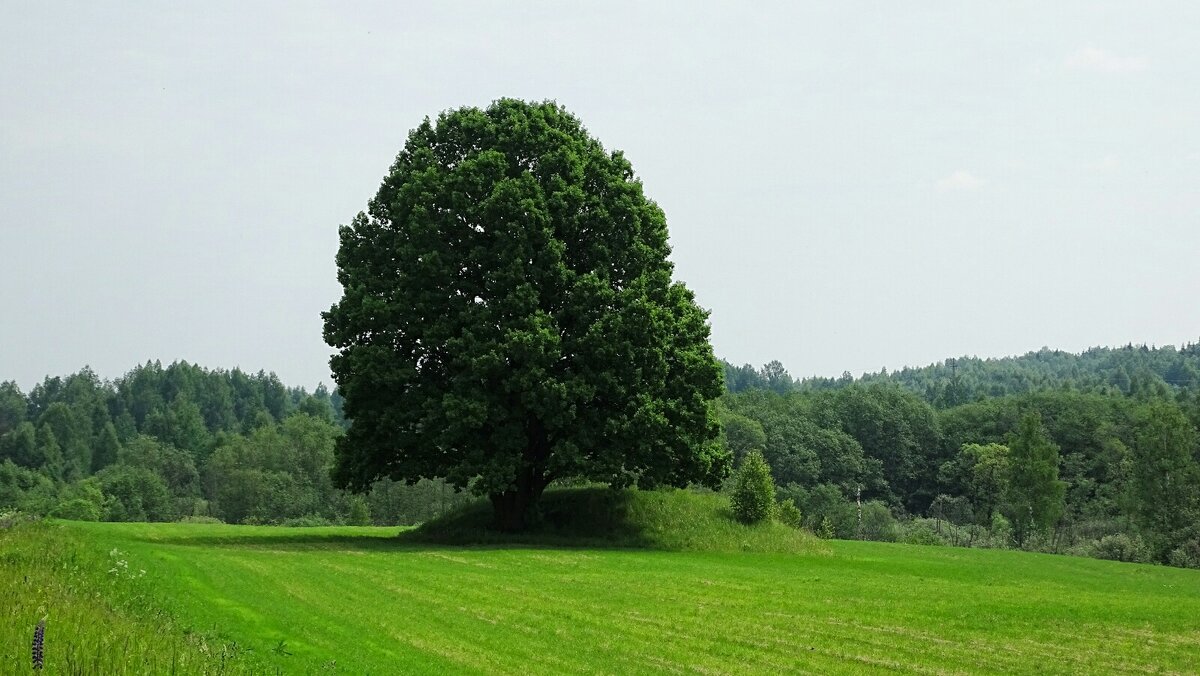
(509, 318)
(1035, 493)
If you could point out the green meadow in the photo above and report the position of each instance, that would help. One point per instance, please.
(234, 599)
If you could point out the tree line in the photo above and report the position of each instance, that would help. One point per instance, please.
(1064, 467)
(1071, 464)
(184, 442)
(1131, 370)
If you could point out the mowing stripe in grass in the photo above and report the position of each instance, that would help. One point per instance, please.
(377, 605)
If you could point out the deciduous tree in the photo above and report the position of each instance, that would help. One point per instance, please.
(508, 317)
(1035, 495)
(1165, 478)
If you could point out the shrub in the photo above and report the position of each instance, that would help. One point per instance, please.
(1001, 532)
(10, 518)
(137, 494)
(825, 529)
(1042, 541)
(27, 490)
(788, 513)
(77, 509)
(1120, 547)
(306, 521)
(826, 502)
(957, 510)
(921, 532)
(360, 513)
(753, 489)
(878, 523)
(190, 506)
(1186, 555)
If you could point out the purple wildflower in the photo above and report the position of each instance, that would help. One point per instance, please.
(39, 638)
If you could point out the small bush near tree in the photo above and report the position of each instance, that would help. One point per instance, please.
(825, 529)
(306, 521)
(878, 524)
(753, 489)
(1120, 547)
(826, 502)
(1001, 531)
(360, 513)
(77, 509)
(1186, 555)
(921, 532)
(788, 513)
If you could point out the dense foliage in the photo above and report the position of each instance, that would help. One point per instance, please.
(1067, 461)
(753, 495)
(508, 318)
(1099, 472)
(161, 444)
(1132, 370)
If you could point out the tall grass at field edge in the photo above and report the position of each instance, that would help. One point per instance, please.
(101, 614)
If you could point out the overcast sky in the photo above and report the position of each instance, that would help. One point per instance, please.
(847, 188)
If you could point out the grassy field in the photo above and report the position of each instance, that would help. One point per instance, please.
(361, 600)
(103, 615)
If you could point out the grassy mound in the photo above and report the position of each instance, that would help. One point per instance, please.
(101, 617)
(676, 520)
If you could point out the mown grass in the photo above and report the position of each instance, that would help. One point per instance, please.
(101, 615)
(362, 600)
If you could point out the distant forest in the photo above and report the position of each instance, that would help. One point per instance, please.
(1093, 453)
(184, 442)
(1130, 370)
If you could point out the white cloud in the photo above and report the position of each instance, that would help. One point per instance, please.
(959, 180)
(1100, 61)
(1108, 163)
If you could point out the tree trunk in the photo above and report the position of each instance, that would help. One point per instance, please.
(515, 507)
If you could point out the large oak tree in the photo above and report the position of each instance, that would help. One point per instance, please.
(509, 318)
